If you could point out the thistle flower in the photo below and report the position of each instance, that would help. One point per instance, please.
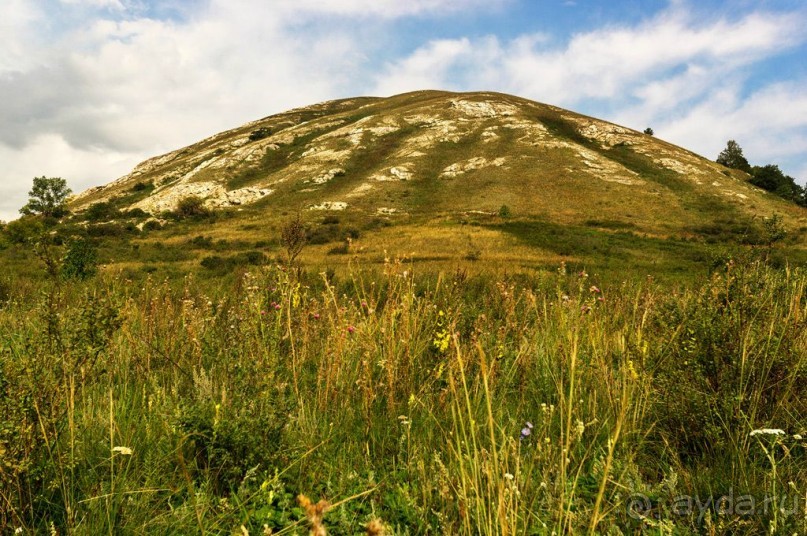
(351, 329)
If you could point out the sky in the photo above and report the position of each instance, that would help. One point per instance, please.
(90, 88)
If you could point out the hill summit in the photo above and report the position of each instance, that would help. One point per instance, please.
(428, 157)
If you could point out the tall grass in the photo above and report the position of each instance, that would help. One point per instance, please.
(439, 404)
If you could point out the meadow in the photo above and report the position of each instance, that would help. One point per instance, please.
(390, 399)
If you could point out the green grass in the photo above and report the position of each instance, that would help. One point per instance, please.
(403, 398)
(613, 253)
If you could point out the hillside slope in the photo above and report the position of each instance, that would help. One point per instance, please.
(419, 162)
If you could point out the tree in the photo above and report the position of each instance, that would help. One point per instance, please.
(48, 197)
(732, 157)
(649, 131)
(772, 179)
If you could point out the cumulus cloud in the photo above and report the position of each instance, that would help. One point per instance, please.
(686, 77)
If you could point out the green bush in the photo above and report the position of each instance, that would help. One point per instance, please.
(191, 206)
(101, 212)
(24, 230)
(260, 133)
(81, 259)
(152, 225)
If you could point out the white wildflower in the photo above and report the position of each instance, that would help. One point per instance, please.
(768, 431)
(123, 451)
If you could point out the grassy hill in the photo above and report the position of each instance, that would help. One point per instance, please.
(479, 179)
(468, 344)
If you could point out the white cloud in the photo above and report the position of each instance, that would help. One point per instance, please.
(684, 77)
(382, 8)
(52, 156)
(770, 124)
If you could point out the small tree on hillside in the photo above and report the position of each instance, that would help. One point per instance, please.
(732, 157)
(649, 131)
(48, 197)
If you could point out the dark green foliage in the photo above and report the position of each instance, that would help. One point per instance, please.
(221, 265)
(143, 186)
(505, 212)
(191, 206)
(732, 157)
(80, 260)
(225, 448)
(772, 179)
(102, 211)
(152, 225)
(774, 230)
(649, 131)
(48, 197)
(260, 133)
(135, 213)
(113, 229)
(704, 371)
(202, 242)
(27, 229)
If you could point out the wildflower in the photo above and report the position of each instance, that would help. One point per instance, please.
(797, 437)
(364, 304)
(594, 289)
(509, 476)
(768, 431)
(351, 329)
(277, 307)
(526, 431)
(123, 451)
(263, 313)
(316, 316)
(585, 309)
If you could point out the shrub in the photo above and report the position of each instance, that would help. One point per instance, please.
(260, 133)
(152, 225)
(24, 230)
(505, 212)
(191, 206)
(101, 211)
(81, 259)
(142, 186)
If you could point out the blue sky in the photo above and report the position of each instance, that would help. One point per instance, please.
(89, 88)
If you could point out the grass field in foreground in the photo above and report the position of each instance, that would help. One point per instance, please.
(453, 404)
